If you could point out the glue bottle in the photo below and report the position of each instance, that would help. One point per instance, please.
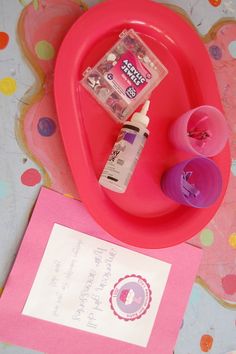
(126, 152)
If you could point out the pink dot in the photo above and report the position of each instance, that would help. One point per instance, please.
(30, 177)
(229, 284)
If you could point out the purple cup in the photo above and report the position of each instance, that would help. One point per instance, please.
(201, 131)
(196, 182)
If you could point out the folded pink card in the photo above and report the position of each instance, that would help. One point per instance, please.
(75, 289)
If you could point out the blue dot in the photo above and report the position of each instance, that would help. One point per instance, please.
(4, 189)
(215, 52)
(46, 126)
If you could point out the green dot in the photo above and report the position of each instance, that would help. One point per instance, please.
(44, 50)
(207, 237)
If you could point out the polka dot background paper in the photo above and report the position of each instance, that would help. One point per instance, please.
(31, 152)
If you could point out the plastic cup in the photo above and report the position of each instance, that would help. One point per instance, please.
(202, 131)
(196, 182)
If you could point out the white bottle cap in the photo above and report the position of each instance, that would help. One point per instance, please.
(141, 117)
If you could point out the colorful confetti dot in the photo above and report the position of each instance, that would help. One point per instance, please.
(215, 52)
(4, 189)
(232, 48)
(46, 126)
(233, 167)
(36, 4)
(30, 177)
(229, 284)
(206, 343)
(4, 39)
(7, 86)
(215, 2)
(207, 237)
(44, 50)
(232, 240)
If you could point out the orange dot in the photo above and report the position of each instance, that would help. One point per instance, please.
(206, 343)
(215, 2)
(4, 39)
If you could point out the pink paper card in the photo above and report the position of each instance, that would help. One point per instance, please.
(75, 289)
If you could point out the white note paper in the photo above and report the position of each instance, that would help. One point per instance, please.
(96, 286)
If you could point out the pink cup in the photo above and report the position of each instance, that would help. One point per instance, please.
(201, 131)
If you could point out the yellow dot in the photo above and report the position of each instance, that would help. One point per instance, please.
(7, 86)
(44, 50)
(36, 4)
(232, 240)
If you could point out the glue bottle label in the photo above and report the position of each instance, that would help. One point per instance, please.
(123, 158)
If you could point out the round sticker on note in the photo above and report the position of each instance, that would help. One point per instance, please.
(130, 297)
